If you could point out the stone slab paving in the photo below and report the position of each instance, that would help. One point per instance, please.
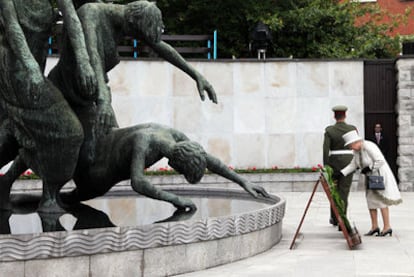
(322, 251)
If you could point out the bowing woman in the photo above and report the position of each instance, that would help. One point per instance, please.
(369, 158)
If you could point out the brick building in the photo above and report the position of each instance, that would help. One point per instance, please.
(396, 7)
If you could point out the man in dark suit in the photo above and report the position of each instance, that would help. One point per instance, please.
(380, 139)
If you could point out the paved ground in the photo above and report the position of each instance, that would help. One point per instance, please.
(322, 251)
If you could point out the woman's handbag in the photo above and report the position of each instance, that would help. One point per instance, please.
(375, 182)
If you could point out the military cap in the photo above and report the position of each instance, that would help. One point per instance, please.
(340, 108)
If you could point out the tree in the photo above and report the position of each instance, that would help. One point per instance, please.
(232, 18)
(301, 28)
(329, 29)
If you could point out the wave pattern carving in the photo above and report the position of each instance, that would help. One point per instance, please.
(114, 239)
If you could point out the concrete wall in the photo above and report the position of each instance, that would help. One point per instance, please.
(270, 113)
(405, 121)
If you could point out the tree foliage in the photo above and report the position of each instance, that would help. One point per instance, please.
(328, 29)
(300, 28)
(232, 19)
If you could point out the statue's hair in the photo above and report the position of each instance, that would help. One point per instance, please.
(145, 18)
(190, 158)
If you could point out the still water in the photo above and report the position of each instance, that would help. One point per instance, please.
(121, 211)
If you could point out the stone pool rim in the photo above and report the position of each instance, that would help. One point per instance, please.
(74, 243)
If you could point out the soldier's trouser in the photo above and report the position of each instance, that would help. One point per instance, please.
(343, 187)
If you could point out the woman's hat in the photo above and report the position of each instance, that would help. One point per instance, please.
(351, 137)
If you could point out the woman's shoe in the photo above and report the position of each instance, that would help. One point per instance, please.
(372, 232)
(384, 233)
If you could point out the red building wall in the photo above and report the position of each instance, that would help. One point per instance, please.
(399, 7)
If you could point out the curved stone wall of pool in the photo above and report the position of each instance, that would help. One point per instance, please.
(149, 250)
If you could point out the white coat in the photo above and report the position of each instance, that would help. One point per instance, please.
(371, 156)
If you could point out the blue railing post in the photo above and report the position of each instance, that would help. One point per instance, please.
(209, 49)
(215, 45)
(135, 49)
(49, 51)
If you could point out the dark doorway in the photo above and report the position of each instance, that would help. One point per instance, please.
(380, 98)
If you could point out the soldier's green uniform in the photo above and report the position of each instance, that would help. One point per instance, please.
(337, 156)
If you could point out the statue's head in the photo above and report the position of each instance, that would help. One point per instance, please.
(144, 18)
(189, 159)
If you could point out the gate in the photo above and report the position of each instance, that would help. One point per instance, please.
(380, 97)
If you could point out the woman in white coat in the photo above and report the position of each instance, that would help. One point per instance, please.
(368, 157)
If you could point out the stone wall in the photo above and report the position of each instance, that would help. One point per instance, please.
(405, 121)
(270, 113)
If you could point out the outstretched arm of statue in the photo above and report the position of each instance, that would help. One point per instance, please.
(19, 46)
(86, 76)
(141, 185)
(171, 55)
(216, 166)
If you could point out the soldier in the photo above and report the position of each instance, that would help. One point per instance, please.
(337, 156)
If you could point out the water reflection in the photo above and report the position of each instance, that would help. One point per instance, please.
(115, 211)
(80, 217)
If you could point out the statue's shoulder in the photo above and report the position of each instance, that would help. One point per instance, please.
(90, 8)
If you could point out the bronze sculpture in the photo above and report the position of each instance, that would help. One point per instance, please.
(90, 168)
(111, 23)
(124, 154)
(47, 131)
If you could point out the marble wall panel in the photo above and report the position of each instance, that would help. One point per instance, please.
(248, 79)
(281, 115)
(184, 85)
(137, 110)
(346, 78)
(221, 148)
(309, 149)
(249, 115)
(249, 150)
(280, 79)
(217, 118)
(257, 101)
(308, 117)
(186, 115)
(281, 150)
(220, 75)
(141, 78)
(312, 79)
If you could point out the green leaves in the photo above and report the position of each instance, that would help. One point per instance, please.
(301, 28)
(339, 203)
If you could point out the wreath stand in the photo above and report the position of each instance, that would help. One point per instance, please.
(352, 239)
